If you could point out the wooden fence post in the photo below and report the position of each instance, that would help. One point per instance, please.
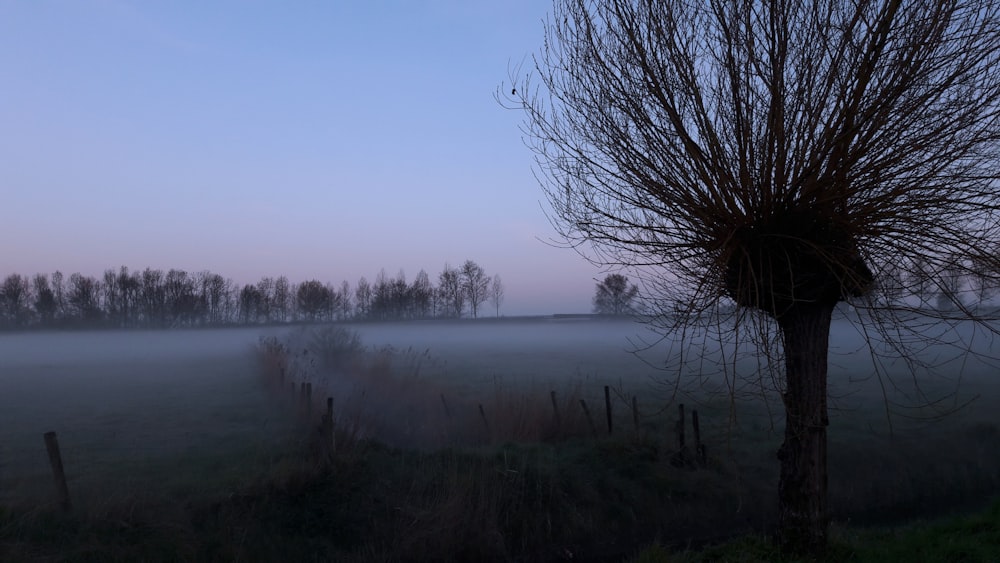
(55, 459)
(699, 448)
(607, 405)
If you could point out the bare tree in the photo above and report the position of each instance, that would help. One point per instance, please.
(362, 299)
(265, 290)
(475, 285)
(772, 155)
(497, 293)
(313, 298)
(59, 293)
(84, 298)
(251, 305)
(45, 299)
(15, 298)
(281, 300)
(421, 292)
(615, 296)
(153, 297)
(450, 289)
(345, 301)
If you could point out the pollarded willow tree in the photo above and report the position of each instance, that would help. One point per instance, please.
(779, 155)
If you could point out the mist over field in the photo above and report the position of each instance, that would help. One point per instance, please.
(190, 413)
(181, 384)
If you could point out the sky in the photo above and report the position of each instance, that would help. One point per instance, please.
(315, 140)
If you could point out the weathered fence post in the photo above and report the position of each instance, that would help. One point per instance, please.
(55, 459)
(699, 448)
(680, 459)
(590, 421)
(607, 405)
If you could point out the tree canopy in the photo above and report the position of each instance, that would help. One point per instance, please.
(780, 156)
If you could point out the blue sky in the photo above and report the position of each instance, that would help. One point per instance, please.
(316, 139)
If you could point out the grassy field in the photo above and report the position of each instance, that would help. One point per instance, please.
(192, 446)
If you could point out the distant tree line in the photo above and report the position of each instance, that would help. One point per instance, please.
(957, 283)
(156, 299)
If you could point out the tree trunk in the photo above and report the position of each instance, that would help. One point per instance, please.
(802, 490)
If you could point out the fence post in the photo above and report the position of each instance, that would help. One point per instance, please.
(55, 459)
(699, 448)
(607, 405)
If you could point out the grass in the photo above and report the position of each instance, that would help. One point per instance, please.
(406, 478)
(969, 538)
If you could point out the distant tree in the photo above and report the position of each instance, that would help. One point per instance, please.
(120, 292)
(450, 290)
(497, 293)
(363, 299)
(421, 292)
(614, 296)
(281, 299)
(475, 285)
(344, 301)
(59, 293)
(84, 299)
(333, 309)
(153, 297)
(251, 305)
(399, 297)
(180, 298)
(265, 288)
(213, 296)
(45, 300)
(128, 288)
(313, 299)
(381, 297)
(15, 299)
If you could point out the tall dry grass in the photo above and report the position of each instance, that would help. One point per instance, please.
(381, 394)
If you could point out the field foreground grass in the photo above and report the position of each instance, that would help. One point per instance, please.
(602, 501)
(508, 481)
